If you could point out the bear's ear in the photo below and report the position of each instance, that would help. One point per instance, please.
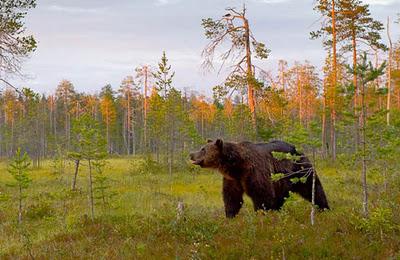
(219, 143)
(209, 141)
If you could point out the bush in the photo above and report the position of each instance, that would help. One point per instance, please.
(39, 210)
(379, 222)
(145, 166)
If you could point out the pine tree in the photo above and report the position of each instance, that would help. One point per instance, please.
(329, 28)
(14, 45)
(18, 168)
(365, 73)
(234, 26)
(90, 145)
(355, 26)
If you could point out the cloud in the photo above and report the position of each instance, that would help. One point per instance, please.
(271, 1)
(165, 2)
(380, 2)
(76, 10)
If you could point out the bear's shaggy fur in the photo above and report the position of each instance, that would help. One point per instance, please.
(247, 167)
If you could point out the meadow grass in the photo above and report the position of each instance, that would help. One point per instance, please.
(140, 220)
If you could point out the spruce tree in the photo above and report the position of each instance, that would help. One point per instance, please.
(164, 76)
(18, 168)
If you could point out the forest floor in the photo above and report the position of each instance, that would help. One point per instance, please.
(140, 220)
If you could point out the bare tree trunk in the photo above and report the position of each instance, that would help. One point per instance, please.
(172, 141)
(389, 76)
(91, 200)
(20, 205)
(158, 150)
(355, 79)
(282, 75)
(145, 107)
(334, 83)
(300, 93)
(128, 122)
(125, 133)
(250, 74)
(108, 134)
(133, 133)
(55, 123)
(355, 83)
(364, 153)
(324, 150)
(77, 162)
(398, 99)
(12, 138)
(202, 125)
(312, 215)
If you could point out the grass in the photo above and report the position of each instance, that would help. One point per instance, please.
(141, 222)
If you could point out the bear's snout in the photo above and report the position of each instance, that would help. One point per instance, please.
(194, 157)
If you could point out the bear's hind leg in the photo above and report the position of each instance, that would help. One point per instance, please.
(233, 197)
(305, 190)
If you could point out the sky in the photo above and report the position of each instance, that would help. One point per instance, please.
(97, 42)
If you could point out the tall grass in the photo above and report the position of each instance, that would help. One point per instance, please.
(141, 221)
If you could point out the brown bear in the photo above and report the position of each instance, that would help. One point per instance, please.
(247, 167)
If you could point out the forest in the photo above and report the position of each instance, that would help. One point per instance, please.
(108, 175)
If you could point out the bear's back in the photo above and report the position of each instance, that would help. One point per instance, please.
(276, 146)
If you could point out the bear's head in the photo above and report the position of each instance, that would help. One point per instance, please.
(209, 155)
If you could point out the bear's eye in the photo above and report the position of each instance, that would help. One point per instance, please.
(203, 149)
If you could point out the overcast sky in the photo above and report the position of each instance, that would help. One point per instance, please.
(95, 42)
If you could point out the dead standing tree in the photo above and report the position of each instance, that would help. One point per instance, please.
(144, 75)
(234, 27)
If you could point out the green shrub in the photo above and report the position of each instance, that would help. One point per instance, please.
(145, 166)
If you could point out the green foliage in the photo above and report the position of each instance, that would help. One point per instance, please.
(102, 184)
(366, 71)
(145, 166)
(212, 27)
(89, 144)
(88, 139)
(219, 94)
(277, 176)
(18, 168)
(13, 43)
(239, 125)
(297, 180)
(164, 75)
(261, 50)
(40, 208)
(353, 19)
(304, 139)
(379, 222)
(286, 156)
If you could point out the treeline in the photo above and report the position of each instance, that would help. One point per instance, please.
(168, 123)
